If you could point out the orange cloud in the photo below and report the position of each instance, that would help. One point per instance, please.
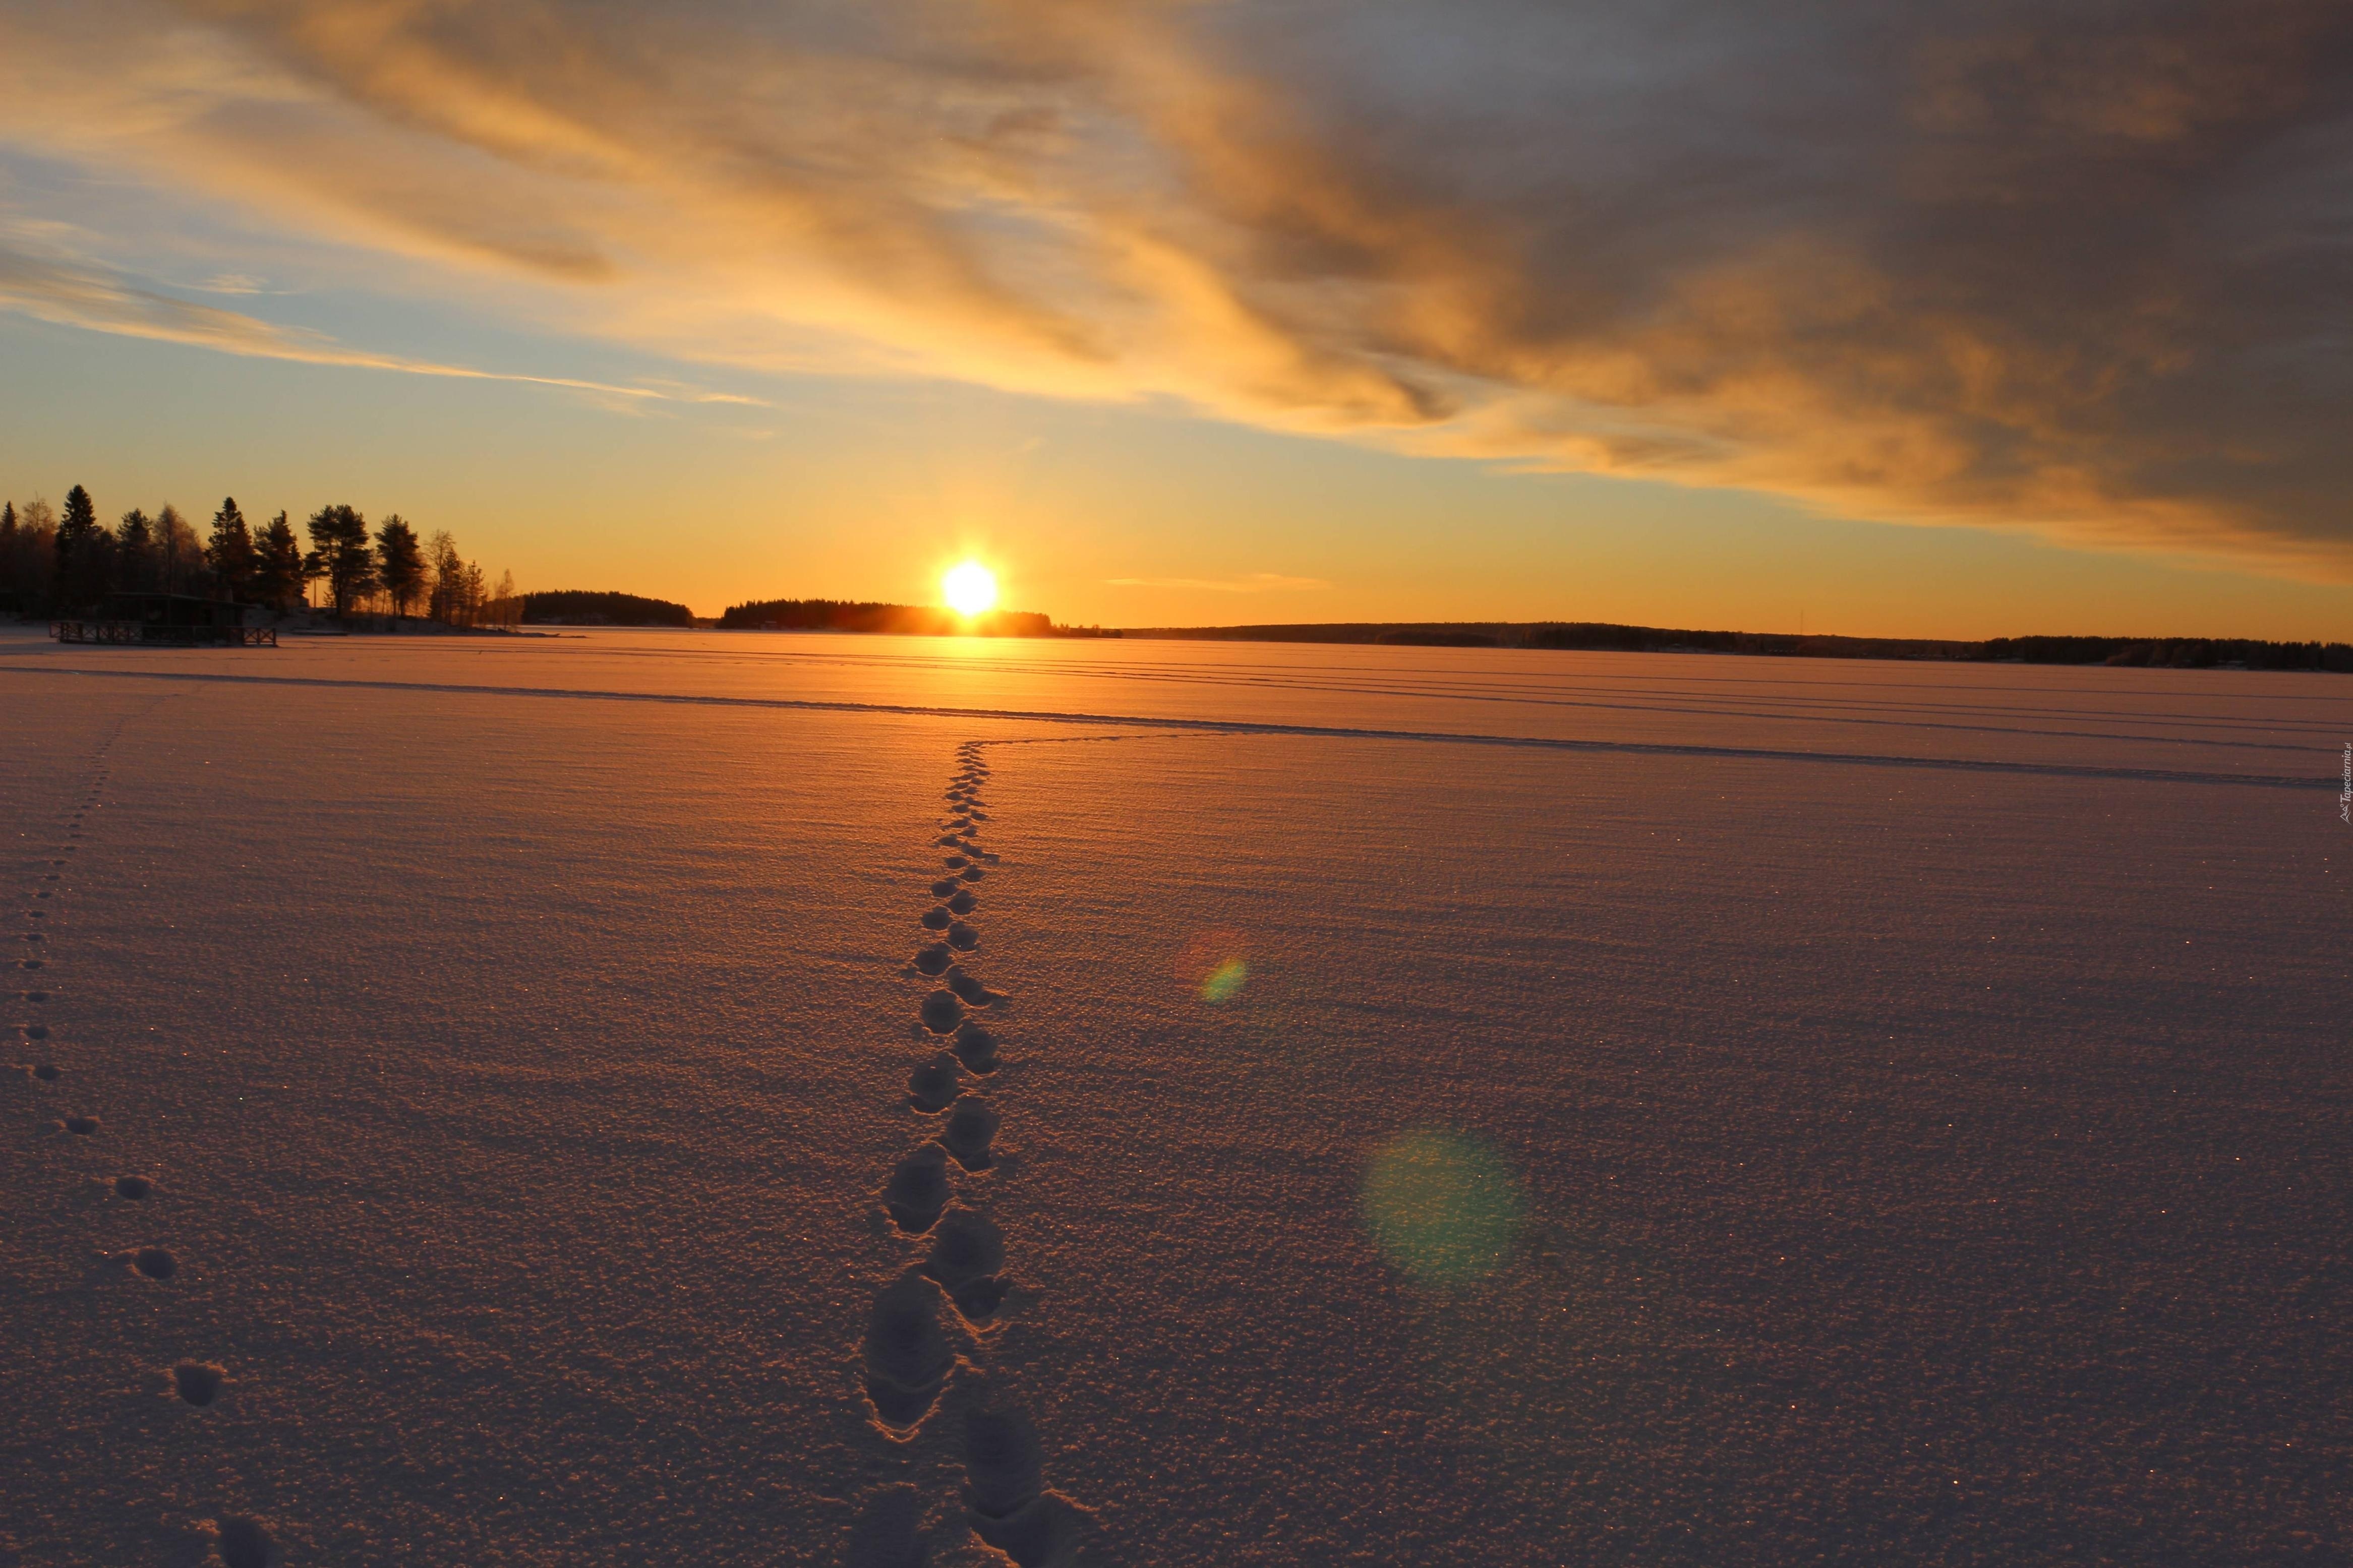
(2066, 268)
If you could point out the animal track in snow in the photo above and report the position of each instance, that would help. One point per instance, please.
(970, 1127)
(49, 1072)
(907, 1356)
(941, 1012)
(1005, 1489)
(973, 874)
(198, 1381)
(961, 937)
(975, 1048)
(953, 862)
(934, 960)
(135, 1188)
(969, 989)
(1002, 1467)
(82, 1125)
(967, 1252)
(936, 918)
(964, 902)
(932, 1086)
(918, 1189)
(243, 1542)
(155, 1263)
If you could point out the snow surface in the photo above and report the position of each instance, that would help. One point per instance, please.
(1449, 1107)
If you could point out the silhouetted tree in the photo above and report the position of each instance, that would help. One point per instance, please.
(33, 560)
(277, 574)
(448, 579)
(339, 553)
(400, 562)
(231, 551)
(79, 548)
(134, 553)
(8, 587)
(180, 554)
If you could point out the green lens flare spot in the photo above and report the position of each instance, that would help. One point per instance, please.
(1441, 1207)
(1225, 982)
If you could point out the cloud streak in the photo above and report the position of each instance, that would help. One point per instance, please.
(79, 296)
(2064, 266)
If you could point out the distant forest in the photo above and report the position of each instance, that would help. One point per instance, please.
(579, 607)
(908, 620)
(2178, 653)
(68, 563)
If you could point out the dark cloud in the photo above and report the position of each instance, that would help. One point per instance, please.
(2079, 266)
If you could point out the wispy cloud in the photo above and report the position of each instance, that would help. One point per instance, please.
(1255, 583)
(2066, 266)
(82, 296)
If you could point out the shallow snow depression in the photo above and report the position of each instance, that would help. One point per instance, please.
(738, 1098)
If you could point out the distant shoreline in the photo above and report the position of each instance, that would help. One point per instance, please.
(2175, 653)
(873, 617)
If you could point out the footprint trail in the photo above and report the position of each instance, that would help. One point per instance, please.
(43, 957)
(929, 1332)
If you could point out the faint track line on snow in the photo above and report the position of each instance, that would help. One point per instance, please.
(1250, 727)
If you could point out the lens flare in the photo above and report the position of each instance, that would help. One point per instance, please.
(1213, 966)
(1441, 1207)
(969, 588)
(1225, 982)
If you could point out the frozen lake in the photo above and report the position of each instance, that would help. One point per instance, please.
(1460, 1106)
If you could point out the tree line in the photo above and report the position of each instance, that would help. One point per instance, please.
(905, 620)
(582, 607)
(68, 562)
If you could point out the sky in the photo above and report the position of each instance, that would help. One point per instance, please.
(1936, 320)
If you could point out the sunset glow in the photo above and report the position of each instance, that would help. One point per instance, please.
(1287, 282)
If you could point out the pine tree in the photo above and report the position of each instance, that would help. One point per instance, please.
(77, 546)
(277, 574)
(230, 553)
(400, 562)
(134, 553)
(339, 553)
(8, 584)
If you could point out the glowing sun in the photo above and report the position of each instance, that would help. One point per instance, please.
(969, 588)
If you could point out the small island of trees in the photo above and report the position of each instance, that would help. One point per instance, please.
(68, 563)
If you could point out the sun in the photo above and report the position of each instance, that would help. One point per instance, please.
(969, 588)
